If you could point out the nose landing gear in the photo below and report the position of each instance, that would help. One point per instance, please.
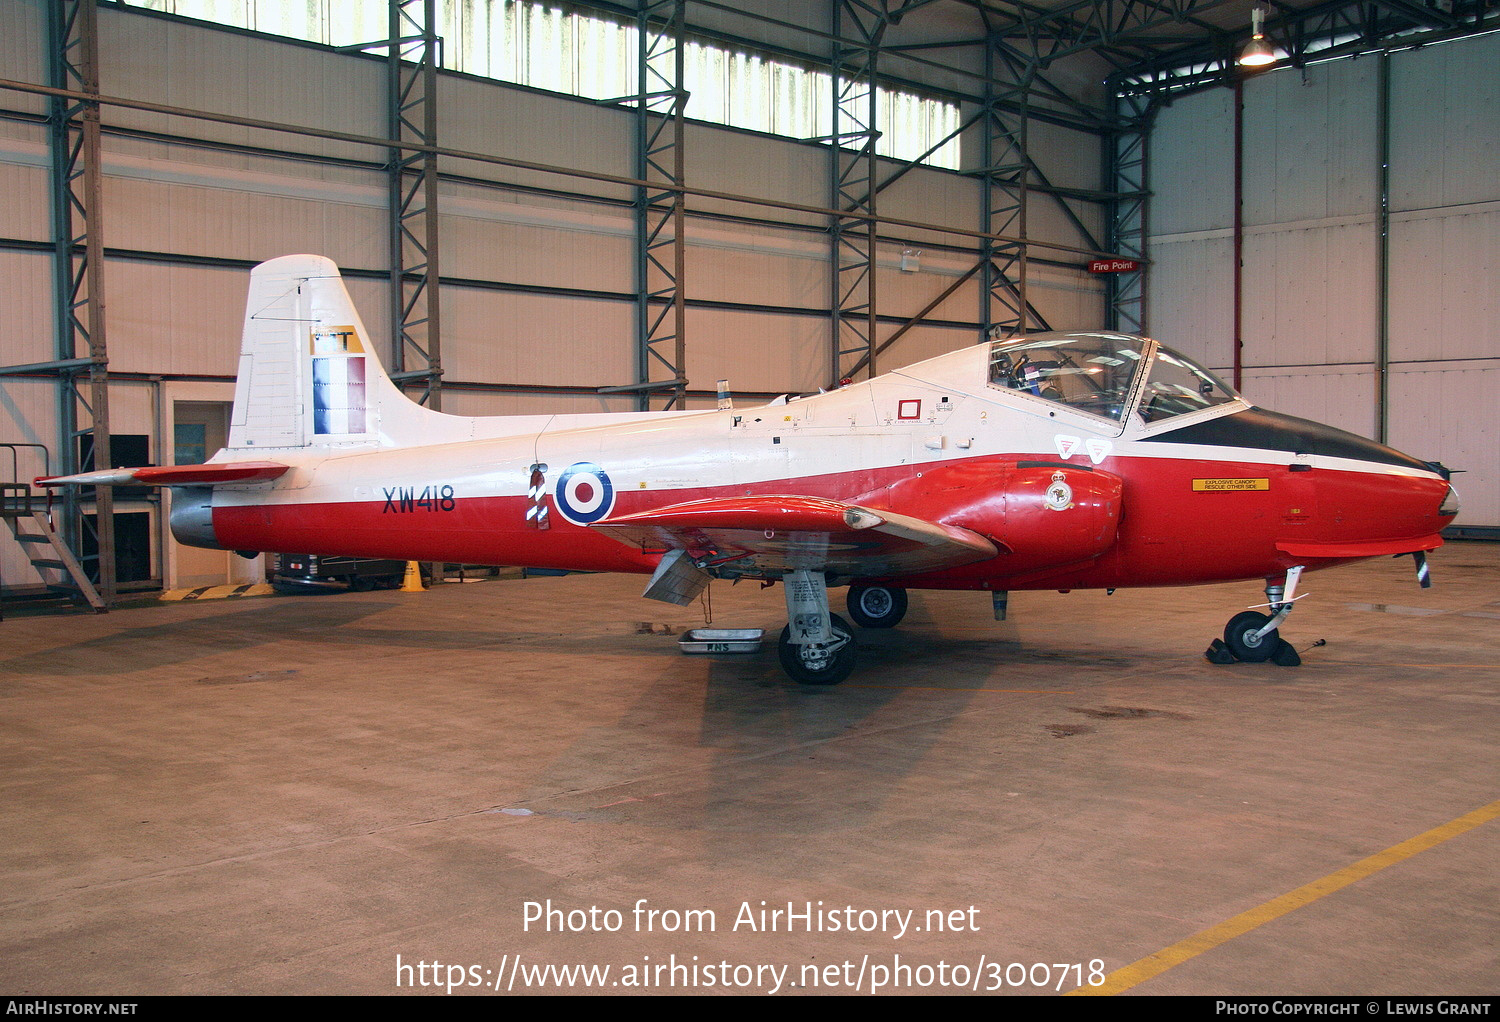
(1252, 637)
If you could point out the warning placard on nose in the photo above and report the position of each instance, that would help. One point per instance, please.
(1211, 485)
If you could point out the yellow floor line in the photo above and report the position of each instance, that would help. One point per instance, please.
(1158, 963)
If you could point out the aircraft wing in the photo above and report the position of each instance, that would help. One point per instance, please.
(772, 534)
(175, 475)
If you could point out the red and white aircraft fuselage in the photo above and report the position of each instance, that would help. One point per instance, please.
(1057, 461)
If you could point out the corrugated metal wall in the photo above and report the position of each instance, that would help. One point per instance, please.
(1313, 291)
(540, 292)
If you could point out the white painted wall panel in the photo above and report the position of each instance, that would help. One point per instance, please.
(28, 415)
(759, 166)
(1443, 296)
(348, 225)
(1452, 415)
(25, 211)
(785, 270)
(196, 67)
(906, 294)
(1311, 295)
(484, 237)
(23, 52)
(509, 337)
(1310, 143)
(935, 197)
(1445, 118)
(1068, 300)
(25, 309)
(185, 317)
(1340, 396)
(757, 351)
(1191, 164)
(924, 342)
(132, 409)
(1192, 295)
(538, 128)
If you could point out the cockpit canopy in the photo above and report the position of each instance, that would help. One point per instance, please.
(1099, 373)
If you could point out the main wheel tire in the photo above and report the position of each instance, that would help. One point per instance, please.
(877, 606)
(1239, 636)
(822, 663)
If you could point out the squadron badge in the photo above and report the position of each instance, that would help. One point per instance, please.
(1059, 494)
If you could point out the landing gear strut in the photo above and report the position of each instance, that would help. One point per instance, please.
(1252, 637)
(816, 647)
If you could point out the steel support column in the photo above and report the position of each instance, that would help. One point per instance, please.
(1006, 177)
(853, 169)
(1125, 176)
(78, 273)
(660, 240)
(413, 55)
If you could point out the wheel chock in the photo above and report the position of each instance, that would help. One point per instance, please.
(1286, 655)
(1218, 653)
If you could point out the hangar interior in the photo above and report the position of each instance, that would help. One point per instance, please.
(583, 206)
(606, 207)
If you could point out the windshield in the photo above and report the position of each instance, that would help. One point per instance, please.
(1089, 372)
(1178, 385)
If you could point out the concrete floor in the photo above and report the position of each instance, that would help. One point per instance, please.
(328, 794)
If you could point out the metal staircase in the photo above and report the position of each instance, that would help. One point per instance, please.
(27, 514)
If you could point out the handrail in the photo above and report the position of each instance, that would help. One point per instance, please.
(15, 465)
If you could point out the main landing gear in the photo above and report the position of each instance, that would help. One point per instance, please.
(816, 647)
(1252, 637)
(877, 606)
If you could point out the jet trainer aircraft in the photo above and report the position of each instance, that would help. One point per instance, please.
(1053, 461)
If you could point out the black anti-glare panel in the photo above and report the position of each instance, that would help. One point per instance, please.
(1259, 429)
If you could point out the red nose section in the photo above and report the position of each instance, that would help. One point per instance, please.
(1369, 514)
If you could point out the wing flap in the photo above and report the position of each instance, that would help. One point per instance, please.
(175, 475)
(773, 534)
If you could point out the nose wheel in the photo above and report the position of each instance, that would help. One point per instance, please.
(1247, 639)
(1254, 638)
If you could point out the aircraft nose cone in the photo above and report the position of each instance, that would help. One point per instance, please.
(1450, 506)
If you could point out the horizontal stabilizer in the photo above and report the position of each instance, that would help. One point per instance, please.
(174, 475)
(773, 534)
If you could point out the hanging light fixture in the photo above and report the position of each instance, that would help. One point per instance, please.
(1257, 53)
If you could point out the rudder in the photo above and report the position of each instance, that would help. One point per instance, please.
(308, 373)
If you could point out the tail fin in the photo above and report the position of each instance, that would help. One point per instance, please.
(308, 374)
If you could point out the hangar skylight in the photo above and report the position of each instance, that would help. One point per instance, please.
(581, 53)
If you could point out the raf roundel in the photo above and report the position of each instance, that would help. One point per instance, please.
(584, 493)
